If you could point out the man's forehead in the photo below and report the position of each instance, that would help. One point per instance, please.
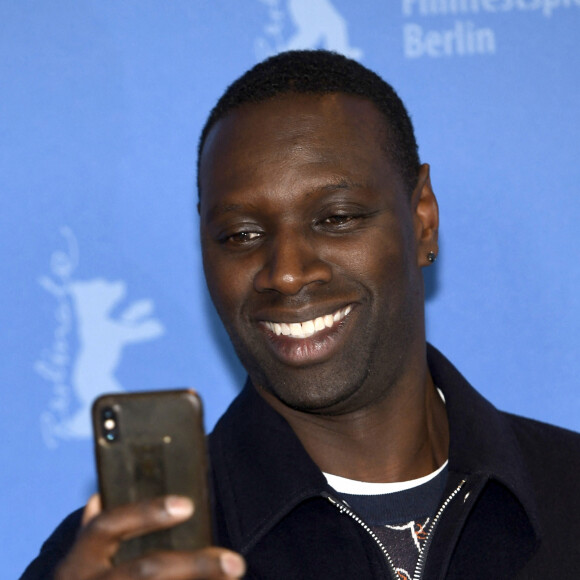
(313, 142)
(288, 111)
(319, 131)
(302, 100)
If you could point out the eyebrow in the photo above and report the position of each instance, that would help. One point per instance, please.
(343, 183)
(225, 208)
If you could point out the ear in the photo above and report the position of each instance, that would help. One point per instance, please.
(425, 216)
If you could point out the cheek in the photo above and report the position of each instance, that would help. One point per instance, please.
(386, 266)
(228, 281)
(376, 260)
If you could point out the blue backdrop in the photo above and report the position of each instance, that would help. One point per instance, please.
(101, 105)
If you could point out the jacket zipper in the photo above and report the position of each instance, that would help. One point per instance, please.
(423, 554)
(344, 509)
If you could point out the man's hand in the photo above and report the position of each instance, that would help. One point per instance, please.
(90, 557)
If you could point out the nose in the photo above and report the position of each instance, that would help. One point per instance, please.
(291, 263)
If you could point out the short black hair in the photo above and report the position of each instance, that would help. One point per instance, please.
(320, 72)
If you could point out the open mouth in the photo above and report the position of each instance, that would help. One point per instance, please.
(308, 327)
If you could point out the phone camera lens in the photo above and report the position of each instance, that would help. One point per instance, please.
(109, 424)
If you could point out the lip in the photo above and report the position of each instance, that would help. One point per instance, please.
(309, 345)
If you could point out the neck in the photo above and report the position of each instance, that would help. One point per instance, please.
(403, 436)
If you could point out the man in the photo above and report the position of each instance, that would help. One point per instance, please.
(355, 450)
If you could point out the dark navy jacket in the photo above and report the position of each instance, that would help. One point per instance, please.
(517, 514)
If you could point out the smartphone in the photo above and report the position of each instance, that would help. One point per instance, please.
(149, 444)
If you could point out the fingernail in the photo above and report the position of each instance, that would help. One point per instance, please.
(178, 506)
(232, 564)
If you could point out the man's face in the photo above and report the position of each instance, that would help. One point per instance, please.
(312, 250)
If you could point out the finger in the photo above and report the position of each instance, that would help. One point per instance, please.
(232, 564)
(128, 521)
(92, 509)
(99, 540)
(206, 564)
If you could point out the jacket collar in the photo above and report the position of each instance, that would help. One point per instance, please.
(261, 471)
(482, 439)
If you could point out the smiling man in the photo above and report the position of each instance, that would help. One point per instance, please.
(355, 450)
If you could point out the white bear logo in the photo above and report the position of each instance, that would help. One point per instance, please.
(82, 369)
(316, 23)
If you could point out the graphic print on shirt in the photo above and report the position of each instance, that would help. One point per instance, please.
(405, 541)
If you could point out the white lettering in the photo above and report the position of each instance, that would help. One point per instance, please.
(464, 39)
(549, 6)
(526, 5)
(432, 43)
(507, 6)
(447, 42)
(408, 6)
(47, 372)
(468, 35)
(435, 6)
(485, 41)
(463, 6)
(412, 40)
(454, 7)
(489, 5)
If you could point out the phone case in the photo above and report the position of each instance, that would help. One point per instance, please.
(150, 444)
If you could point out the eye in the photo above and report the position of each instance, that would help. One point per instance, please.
(240, 238)
(338, 220)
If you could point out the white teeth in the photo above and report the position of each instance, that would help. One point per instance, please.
(308, 327)
(295, 329)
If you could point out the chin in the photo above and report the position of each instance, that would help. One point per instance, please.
(313, 393)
